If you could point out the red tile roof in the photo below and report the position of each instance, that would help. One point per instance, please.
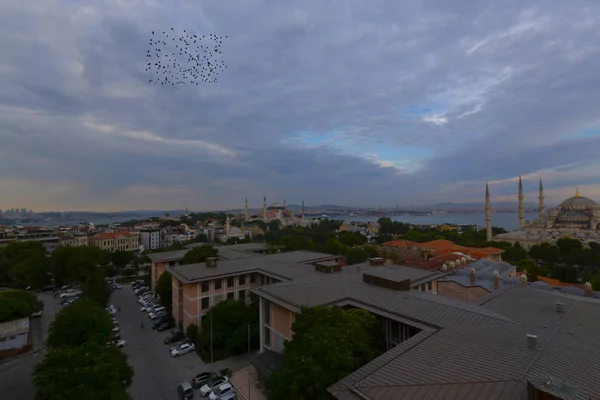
(112, 235)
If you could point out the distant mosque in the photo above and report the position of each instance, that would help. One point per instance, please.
(577, 217)
(277, 211)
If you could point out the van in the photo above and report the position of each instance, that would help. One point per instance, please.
(185, 390)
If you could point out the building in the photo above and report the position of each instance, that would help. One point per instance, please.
(116, 241)
(150, 239)
(576, 217)
(517, 343)
(160, 261)
(48, 237)
(14, 335)
(198, 287)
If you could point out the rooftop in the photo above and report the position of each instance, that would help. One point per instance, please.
(167, 255)
(494, 361)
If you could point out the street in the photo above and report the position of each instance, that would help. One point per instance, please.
(15, 375)
(157, 374)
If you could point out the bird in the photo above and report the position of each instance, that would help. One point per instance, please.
(192, 61)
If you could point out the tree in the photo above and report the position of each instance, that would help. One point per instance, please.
(28, 297)
(11, 309)
(24, 264)
(83, 321)
(230, 321)
(164, 289)
(121, 259)
(328, 344)
(200, 254)
(352, 238)
(95, 287)
(73, 264)
(89, 370)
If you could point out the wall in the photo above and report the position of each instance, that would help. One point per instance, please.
(456, 291)
(276, 326)
(157, 270)
(13, 342)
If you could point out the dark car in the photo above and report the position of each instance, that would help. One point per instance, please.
(175, 337)
(162, 320)
(185, 391)
(165, 325)
(199, 380)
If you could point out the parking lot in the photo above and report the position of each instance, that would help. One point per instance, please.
(157, 374)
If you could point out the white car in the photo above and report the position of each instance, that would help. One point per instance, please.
(117, 343)
(221, 391)
(182, 349)
(116, 328)
(70, 294)
(156, 315)
(212, 385)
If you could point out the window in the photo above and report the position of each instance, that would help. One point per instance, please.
(242, 295)
(205, 287)
(218, 298)
(230, 282)
(242, 280)
(252, 278)
(429, 286)
(267, 312)
(267, 337)
(279, 341)
(171, 263)
(205, 303)
(231, 296)
(218, 284)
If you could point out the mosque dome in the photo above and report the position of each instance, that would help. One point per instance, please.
(578, 201)
(276, 206)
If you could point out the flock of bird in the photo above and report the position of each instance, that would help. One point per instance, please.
(183, 59)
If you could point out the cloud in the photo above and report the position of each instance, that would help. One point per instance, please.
(348, 102)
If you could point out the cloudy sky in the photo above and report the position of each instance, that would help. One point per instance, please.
(350, 102)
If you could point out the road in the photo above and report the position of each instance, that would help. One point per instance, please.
(157, 374)
(15, 375)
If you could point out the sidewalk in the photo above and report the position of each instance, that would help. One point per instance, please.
(247, 385)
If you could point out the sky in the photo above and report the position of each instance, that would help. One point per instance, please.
(347, 102)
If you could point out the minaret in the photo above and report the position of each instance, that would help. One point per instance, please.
(302, 209)
(227, 225)
(521, 205)
(541, 197)
(246, 210)
(488, 214)
(265, 208)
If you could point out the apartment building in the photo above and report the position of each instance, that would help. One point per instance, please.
(116, 241)
(150, 239)
(48, 237)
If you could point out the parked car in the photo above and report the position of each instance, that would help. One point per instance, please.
(117, 286)
(165, 325)
(115, 336)
(69, 294)
(212, 384)
(185, 390)
(199, 380)
(182, 349)
(222, 390)
(174, 337)
(164, 318)
(117, 343)
(228, 396)
(155, 316)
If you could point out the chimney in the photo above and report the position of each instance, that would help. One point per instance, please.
(531, 340)
(496, 279)
(523, 278)
(211, 262)
(588, 289)
(472, 275)
(376, 261)
(560, 306)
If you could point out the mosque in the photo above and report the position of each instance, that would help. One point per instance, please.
(277, 211)
(577, 217)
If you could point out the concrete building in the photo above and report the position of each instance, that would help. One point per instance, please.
(116, 241)
(150, 239)
(14, 334)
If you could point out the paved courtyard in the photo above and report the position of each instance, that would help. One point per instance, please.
(157, 374)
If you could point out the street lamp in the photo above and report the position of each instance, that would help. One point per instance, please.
(248, 360)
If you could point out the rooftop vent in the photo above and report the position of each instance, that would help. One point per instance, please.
(328, 267)
(496, 279)
(531, 340)
(211, 262)
(588, 289)
(472, 277)
(376, 261)
(560, 306)
(399, 285)
(444, 268)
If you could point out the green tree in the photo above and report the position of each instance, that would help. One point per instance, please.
(28, 297)
(95, 287)
(352, 238)
(328, 344)
(200, 254)
(164, 289)
(92, 371)
(545, 253)
(24, 264)
(121, 259)
(230, 321)
(83, 321)
(74, 264)
(11, 309)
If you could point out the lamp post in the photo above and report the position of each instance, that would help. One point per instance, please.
(212, 365)
(248, 360)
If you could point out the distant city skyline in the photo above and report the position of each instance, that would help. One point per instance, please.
(338, 103)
